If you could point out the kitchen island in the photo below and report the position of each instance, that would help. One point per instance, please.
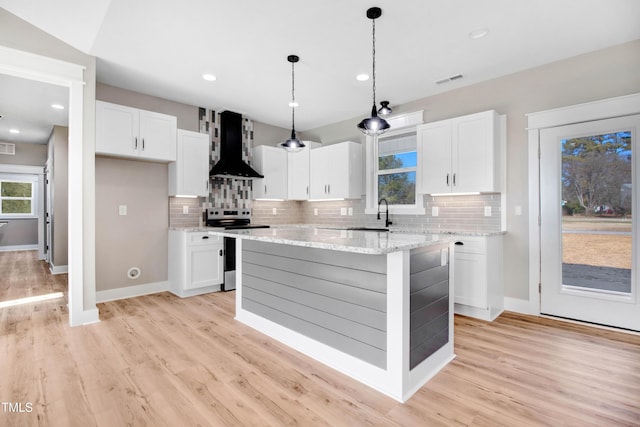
(376, 306)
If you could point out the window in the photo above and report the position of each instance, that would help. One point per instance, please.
(397, 164)
(17, 198)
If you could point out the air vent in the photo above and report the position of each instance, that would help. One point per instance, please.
(7, 148)
(449, 79)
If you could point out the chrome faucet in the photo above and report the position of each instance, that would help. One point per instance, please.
(387, 223)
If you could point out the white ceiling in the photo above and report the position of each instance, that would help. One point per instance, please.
(162, 47)
(25, 105)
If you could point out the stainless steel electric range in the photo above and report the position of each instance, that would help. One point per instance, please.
(230, 219)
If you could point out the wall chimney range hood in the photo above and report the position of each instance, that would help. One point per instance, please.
(231, 164)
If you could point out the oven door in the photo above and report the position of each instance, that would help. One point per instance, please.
(229, 264)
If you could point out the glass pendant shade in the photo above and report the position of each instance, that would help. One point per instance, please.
(293, 143)
(384, 108)
(373, 125)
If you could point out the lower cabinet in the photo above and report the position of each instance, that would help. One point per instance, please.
(195, 262)
(477, 277)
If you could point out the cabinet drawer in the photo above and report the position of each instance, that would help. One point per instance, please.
(202, 238)
(471, 245)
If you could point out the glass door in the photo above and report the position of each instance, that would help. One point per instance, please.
(589, 245)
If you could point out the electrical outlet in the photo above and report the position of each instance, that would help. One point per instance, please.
(315, 211)
(122, 210)
(434, 211)
(343, 211)
(487, 211)
(518, 210)
(274, 211)
(350, 211)
(185, 209)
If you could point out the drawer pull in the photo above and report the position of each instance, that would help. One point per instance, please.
(205, 237)
(459, 244)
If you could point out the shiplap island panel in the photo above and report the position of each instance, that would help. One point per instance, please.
(376, 306)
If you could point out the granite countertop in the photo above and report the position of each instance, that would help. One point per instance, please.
(365, 242)
(195, 228)
(400, 229)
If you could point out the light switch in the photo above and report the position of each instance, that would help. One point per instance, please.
(434, 211)
(343, 211)
(518, 210)
(350, 212)
(487, 211)
(315, 211)
(185, 209)
(274, 211)
(122, 210)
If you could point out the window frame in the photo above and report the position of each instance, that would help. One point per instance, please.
(34, 201)
(400, 125)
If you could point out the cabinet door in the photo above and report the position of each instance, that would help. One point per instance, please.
(434, 146)
(339, 171)
(204, 266)
(298, 174)
(473, 152)
(470, 279)
(116, 130)
(189, 174)
(157, 136)
(319, 173)
(272, 163)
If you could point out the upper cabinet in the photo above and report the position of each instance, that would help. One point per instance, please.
(272, 163)
(460, 155)
(189, 174)
(298, 172)
(336, 171)
(132, 133)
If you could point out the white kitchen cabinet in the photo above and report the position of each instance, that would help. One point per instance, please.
(298, 172)
(477, 278)
(336, 171)
(272, 163)
(460, 155)
(195, 262)
(132, 133)
(189, 174)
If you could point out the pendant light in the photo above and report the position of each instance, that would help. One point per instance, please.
(384, 110)
(293, 143)
(373, 125)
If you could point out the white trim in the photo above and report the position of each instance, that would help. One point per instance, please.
(29, 170)
(604, 109)
(131, 291)
(58, 269)
(597, 110)
(18, 248)
(35, 67)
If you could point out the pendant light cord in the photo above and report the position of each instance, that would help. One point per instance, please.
(293, 98)
(374, 61)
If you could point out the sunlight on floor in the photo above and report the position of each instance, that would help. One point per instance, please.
(28, 300)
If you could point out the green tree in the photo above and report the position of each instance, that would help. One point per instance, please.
(595, 170)
(397, 188)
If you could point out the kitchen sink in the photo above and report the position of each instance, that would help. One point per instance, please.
(367, 228)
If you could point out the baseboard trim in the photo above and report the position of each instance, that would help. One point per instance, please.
(18, 248)
(131, 291)
(58, 269)
(521, 306)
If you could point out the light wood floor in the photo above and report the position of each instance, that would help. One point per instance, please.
(23, 275)
(164, 361)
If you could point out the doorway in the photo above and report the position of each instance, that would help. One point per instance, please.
(588, 181)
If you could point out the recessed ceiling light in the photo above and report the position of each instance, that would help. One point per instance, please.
(293, 104)
(14, 131)
(57, 106)
(362, 77)
(209, 77)
(479, 33)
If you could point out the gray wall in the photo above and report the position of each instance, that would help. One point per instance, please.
(265, 134)
(19, 232)
(58, 148)
(139, 239)
(26, 154)
(597, 75)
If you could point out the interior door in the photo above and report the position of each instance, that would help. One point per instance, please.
(588, 230)
(48, 212)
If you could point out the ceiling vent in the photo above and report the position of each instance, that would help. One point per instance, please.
(7, 148)
(449, 79)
